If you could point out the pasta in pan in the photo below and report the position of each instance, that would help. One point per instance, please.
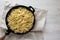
(20, 20)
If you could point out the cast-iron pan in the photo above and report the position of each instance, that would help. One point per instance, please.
(30, 8)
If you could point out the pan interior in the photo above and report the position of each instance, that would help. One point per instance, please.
(20, 20)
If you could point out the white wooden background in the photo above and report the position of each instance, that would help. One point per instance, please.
(52, 29)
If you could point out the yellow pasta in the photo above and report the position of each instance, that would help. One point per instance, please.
(20, 20)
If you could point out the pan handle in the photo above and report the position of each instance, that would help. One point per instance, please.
(31, 8)
(8, 32)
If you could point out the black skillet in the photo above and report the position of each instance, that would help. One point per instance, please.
(30, 8)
